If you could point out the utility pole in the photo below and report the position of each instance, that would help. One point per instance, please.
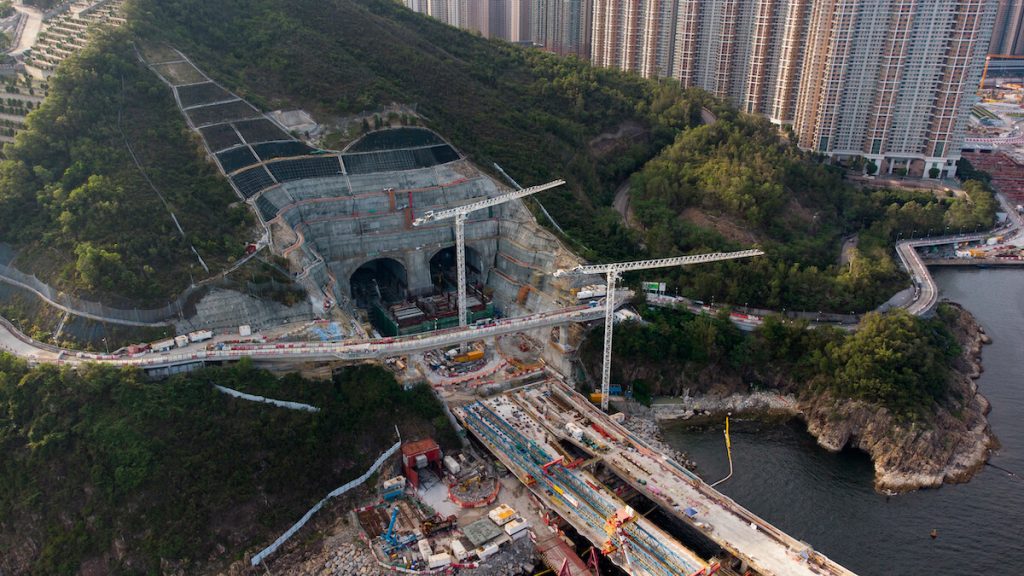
(459, 214)
(613, 272)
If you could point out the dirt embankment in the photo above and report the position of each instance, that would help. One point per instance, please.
(950, 446)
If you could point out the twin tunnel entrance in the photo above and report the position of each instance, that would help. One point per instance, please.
(385, 281)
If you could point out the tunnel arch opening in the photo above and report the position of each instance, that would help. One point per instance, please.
(381, 281)
(444, 274)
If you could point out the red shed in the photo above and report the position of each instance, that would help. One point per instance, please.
(420, 454)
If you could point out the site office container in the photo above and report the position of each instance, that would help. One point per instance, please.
(425, 550)
(502, 514)
(163, 345)
(439, 560)
(516, 528)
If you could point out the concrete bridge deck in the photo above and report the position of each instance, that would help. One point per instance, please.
(541, 413)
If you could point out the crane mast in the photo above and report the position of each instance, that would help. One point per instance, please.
(613, 272)
(459, 214)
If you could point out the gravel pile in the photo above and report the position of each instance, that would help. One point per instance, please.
(348, 559)
(354, 559)
(642, 424)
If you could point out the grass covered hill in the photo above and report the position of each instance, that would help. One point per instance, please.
(104, 472)
(79, 210)
(539, 116)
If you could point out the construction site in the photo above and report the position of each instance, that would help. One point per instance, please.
(412, 256)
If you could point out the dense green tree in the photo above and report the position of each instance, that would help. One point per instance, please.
(895, 360)
(73, 200)
(103, 457)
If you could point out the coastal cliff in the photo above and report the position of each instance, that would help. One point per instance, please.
(948, 445)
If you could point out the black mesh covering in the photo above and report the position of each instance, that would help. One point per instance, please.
(271, 150)
(236, 159)
(204, 93)
(396, 138)
(261, 130)
(267, 208)
(220, 137)
(392, 160)
(251, 181)
(217, 113)
(299, 169)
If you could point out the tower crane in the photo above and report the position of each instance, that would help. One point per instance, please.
(613, 273)
(459, 213)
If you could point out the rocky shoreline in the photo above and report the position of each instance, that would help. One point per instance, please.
(906, 456)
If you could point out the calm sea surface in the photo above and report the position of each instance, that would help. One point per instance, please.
(827, 499)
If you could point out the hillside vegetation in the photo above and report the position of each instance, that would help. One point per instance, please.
(740, 170)
(540, 116)
(534, 113)
(80, 211)
(895, 361)
(105, 472)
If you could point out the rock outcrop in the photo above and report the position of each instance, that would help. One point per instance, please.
(949, 445)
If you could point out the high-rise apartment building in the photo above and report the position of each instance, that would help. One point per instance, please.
(892, 80)
(448, 11)
(563, 26)
(888, 80)
(635, 35)
(1008, 36)
(504, 19)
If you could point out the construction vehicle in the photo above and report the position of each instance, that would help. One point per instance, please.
(470, 356)
(436, 524)
(393, 541)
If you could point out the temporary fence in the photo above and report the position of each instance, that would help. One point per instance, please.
(338, 492)
(93, 310)
(280, 403)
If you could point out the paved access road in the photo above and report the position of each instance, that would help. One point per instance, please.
(14, 341)
(926, 291)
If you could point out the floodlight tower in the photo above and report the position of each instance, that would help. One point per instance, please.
(613, 272)
(459, 213)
